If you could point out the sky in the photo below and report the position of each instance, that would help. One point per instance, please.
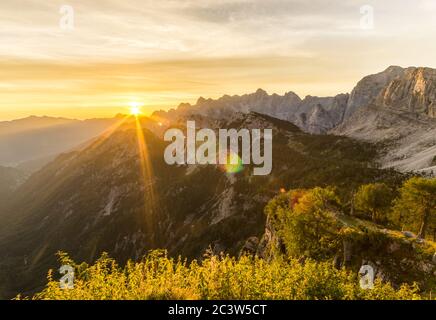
(85, 59)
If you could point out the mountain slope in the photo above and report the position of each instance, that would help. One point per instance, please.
(401, 117)
(118, 195)
(367, 89)
(11, 179)
(96, 199)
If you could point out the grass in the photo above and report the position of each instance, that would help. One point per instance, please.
(215, 278)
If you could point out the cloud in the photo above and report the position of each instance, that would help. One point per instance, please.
(168, 51)
(168, 28)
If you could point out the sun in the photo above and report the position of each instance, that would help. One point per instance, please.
(136, 111)
(135, 108)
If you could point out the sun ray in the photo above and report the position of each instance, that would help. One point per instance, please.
(108, 132)
(91, 146)
(150, 199)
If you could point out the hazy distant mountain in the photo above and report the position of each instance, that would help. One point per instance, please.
(39, 139)
(96, 199)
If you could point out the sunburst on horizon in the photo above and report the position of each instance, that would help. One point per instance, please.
(135, 108)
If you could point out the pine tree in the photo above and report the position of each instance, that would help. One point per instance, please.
(416, 206)
(374, 198)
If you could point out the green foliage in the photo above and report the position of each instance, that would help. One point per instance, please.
(218, 277)
(305, 221)
(375, 199)
(415, 209)
(311, 223)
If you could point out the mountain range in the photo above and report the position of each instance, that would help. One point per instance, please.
(395, 108)
(31, 142)
(115, 193)
(27, 144)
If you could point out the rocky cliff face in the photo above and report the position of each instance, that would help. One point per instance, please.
(368, 89)
(414, 91)
(319, 115)
(399, 115)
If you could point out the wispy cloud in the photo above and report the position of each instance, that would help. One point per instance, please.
(175, 50)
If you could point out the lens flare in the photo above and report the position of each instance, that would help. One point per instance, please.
(234, 163)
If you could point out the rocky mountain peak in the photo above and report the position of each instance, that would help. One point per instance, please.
(367, 89)
(261, 92)
(414, 91)
(292, 95)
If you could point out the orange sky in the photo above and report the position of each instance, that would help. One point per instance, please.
(161, 53)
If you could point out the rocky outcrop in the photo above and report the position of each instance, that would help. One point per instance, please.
(414, 91)
(411, 90)
(399, 115)
(367, 89)
(318, 115)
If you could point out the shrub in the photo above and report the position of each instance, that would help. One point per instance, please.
(217, 277)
